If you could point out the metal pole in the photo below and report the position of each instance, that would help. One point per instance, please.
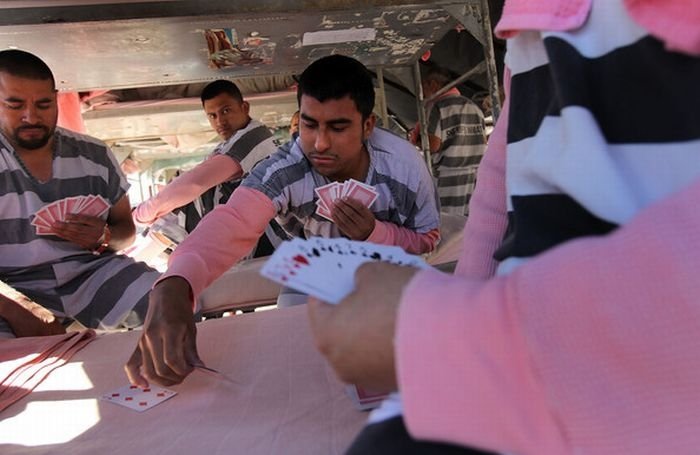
(490, 58)
(382, 98)
(424, 141)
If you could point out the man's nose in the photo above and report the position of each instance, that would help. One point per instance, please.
(30, 115)
(322, 143)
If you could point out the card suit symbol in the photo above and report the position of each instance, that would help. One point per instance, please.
(133, 387)
(376, 256)
(146, 390)
(128, 398)
(115, 394)
(143, 403)
(160, 394)
(300, 259)
(315, 252)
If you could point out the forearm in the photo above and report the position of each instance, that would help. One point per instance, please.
(413, 242)
(187, 188)
(121, 235)
(221, 239)
(589, 345)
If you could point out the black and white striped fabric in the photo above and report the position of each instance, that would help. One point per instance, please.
(603, 122)
(459, 124)
(406, 193)
(106, 291)
(248, 146)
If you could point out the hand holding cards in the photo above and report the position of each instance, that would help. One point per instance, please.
(325, 268)
(91, 205)
(328, 194)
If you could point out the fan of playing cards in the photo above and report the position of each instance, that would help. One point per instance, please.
(325, 268)
(328, 194)
(91, 205)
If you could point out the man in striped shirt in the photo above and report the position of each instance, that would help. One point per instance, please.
(75, 273)
(337, 141)
(457, 141)
(245, 141)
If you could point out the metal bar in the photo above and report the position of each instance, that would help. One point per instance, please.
(424, 141)
(382, 98)
(489, 57)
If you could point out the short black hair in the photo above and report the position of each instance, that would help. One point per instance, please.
(220, 86)
(433, 72)
(26, 65)
(335, 77)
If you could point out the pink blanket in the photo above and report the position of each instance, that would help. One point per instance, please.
(287, 400)
(25, 362)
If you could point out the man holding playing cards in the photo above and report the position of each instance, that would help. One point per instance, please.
(63, 214)
(338, 149)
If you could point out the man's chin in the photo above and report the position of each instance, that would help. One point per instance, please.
(33, 144)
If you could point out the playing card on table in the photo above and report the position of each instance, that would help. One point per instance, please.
(138, 399)
(325, 268)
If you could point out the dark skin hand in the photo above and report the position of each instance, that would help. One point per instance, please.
(28, 319)
(82, 230)
(353, 219)
(167, 349)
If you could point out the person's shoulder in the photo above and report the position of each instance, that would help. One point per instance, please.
(460, 101)
(287, 155)
(80, 140)
(390, 146)
(396, 157)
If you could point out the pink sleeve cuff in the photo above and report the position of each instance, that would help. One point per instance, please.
(385, 233)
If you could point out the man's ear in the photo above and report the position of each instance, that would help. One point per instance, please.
(368, 126)
(246, 107)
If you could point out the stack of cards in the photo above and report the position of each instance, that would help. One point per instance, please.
(137, 398)
(328, 194)
(58, 210)
(325, 268)
(364, 399)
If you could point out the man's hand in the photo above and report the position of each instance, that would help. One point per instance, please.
(167, 350)
(353, 218)
(83, 230)
(357, 335)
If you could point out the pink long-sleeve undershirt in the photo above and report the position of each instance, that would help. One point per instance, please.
(188, 187)
(230, 231)
(590, 347)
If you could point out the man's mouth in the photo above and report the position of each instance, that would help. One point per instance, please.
(32, 130)
(322, 159)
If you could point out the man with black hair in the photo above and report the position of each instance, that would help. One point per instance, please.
(337, 141)
(74, 272)
(244, 142)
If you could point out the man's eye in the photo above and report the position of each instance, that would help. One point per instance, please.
(14, 107)
(338, 129)
(45, 106)
(226, 111)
